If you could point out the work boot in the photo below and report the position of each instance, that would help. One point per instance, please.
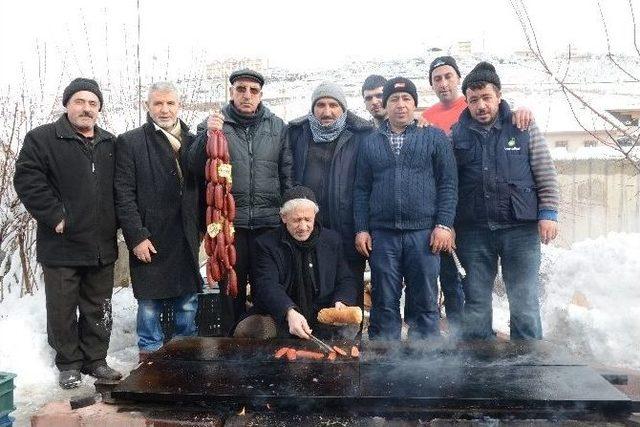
(69, 379)
(102, 371)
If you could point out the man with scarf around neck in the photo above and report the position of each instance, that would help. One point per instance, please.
(404, 205)
(157, 205)
(261, 171)
(64, 178)
(324, 145)
(299, 270)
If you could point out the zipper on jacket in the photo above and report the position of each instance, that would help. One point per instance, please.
(97, 196)
(249, 137)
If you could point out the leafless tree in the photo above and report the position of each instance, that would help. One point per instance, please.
(622, 138)
(29, 103)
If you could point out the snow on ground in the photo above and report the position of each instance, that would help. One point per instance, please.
(25, 352)
(591, 299)
(591, 304)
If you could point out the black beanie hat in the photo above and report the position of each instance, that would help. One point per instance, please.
(439, 62)
(372, 82)
(79, 84)
(482, 72)
(398, 84)
(299, 192)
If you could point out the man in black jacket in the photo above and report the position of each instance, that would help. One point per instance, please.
(157, 205)
(64, 178)
(299, 269)
(261, 171)
(324, 145)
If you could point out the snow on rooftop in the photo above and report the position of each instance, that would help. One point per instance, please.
(587, 153)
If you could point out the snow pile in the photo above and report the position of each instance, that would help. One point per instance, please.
(591, 299)
(24, 349)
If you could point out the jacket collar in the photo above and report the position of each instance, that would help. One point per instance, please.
(227, 116)
(385, 130)
(64, 130)
(152, 125)
(504, 116)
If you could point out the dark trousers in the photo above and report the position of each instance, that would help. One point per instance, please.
(357, 267)
(233, 309)
(397, 255)
(518, 249)
(451, 286)
(78, 340)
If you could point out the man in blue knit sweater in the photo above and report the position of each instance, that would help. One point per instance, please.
(404, 206)
(508, 203)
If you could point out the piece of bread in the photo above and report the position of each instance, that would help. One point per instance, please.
(340, 316)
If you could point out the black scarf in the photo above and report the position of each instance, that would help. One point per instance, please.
(303, 287)
(243, 119)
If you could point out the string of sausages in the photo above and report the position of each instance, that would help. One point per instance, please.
(221, 211)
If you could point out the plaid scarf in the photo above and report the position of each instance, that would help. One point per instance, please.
(328, 133)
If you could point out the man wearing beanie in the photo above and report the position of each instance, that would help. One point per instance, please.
(404, 205)
(372, 95)
(508, 204)
(444, 77)
(261, 171)
(64, 178)
(159, 218)
(324, 145)
(300, 270)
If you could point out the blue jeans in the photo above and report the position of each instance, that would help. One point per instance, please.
(149, 328)
(398, 254)
(451, 286)
(518, 249)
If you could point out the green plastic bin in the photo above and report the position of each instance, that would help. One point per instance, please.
(6, 393)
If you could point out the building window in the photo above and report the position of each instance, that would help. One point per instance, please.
(625, 141)
(562, 144)
(591, 143)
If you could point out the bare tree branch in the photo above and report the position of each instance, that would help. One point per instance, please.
(529, 32)
(609, 53)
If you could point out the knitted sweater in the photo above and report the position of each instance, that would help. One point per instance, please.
(414, 190)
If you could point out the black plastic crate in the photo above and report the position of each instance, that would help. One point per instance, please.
(167, 321)
(208, 317)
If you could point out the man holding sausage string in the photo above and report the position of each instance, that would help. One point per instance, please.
(261, 171)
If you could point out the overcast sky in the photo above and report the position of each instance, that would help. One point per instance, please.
(290, 33)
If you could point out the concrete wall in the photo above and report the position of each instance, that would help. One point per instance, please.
(598, 196)
(574, 140)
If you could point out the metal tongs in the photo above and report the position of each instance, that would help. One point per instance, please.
(323, 345)
(461, 271)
